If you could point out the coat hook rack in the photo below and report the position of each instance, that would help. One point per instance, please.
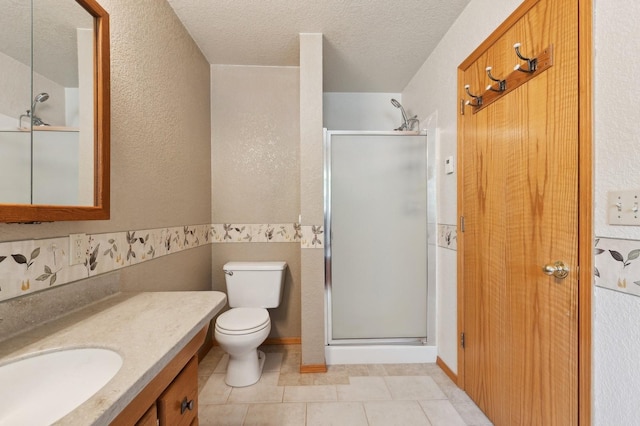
(532, 63)
(515, 79)
(477, 99)
(502, 84)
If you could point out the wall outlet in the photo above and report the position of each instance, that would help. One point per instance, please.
(78, 246)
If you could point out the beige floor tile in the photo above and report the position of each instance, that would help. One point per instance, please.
(209, 362)
(454, 393)
(407, 369)
(214, 390)
(201, 381)
(221, 367)
(336, 414)
(471, 414)
(413, 388)
(442, 413)
(290, 362)
(222, 415)
(266, 390)
(310, 393)
(269, 378)
(395, 413)
(364, 389)
(357, 370)
(404, 394)
(376, 370)
(295, 379)
(276, 414)
(330, 378)
(337, 368)
(273, 362)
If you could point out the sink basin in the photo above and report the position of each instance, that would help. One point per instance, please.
(43, 388)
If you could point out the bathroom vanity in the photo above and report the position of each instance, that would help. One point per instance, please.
(156, 334)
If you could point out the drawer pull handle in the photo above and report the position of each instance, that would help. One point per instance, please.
(186, 405)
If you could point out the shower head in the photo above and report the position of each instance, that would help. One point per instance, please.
(396, 104)
(35, 120)
(41, 97)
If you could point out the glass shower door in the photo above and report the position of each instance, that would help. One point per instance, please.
(377, 225)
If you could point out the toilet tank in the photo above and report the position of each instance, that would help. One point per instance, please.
(254, 284)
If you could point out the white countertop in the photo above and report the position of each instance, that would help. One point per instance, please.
(146, 329)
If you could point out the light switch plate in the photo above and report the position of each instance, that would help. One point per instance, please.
(448, 165)
(624, 207)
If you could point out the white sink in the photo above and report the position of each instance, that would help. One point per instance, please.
(43, 388)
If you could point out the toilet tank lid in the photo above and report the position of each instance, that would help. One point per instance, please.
(255, 266)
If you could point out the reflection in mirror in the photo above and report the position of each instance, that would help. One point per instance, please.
(54, 110)
(15, 87)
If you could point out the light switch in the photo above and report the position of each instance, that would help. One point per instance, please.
(448, 165)
(623, 207)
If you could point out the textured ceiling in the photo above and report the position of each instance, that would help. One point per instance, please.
(369, 45)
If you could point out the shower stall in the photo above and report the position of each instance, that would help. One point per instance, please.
(379, 216)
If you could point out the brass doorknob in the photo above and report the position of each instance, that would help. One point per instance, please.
(558, 270)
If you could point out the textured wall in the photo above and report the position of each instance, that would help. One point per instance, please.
(312, 198)
(255, 145)
(615, 344)
(616, 315)
(360, 111)
(433, 89)
(160, 143)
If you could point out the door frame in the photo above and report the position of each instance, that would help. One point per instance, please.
(585, 197)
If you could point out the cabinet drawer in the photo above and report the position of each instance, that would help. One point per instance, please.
(178, 405)
(150, 418)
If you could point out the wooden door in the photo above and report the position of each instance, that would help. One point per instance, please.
(519, 159)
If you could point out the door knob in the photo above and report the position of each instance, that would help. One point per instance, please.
(558, 270)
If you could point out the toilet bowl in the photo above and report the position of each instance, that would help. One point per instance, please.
(252, 287)
(239, 332)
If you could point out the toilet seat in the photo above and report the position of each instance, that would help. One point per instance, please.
(243, 321)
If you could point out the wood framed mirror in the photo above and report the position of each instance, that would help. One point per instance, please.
(94, 104)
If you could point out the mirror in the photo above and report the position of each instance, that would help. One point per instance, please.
(54, 111)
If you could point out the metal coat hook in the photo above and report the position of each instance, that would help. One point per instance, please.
(478, 99)
(532, 64)
(502, 84)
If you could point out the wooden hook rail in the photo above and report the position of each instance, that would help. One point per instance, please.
(514, 80)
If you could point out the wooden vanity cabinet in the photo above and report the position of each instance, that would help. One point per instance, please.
(150, 418)
(178, 405)
(171, 398)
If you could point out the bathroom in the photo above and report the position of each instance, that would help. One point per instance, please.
(168, 170)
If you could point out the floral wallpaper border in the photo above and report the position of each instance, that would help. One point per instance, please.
(33, 265)
(448, 236)
(309, 236)
(617, 265)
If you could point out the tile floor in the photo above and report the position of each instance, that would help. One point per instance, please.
(374, 394)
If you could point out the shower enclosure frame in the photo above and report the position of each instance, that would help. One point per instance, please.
(329, 340)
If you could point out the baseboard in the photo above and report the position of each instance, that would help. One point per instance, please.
(283, 341)
(313, 368)
(453, 376)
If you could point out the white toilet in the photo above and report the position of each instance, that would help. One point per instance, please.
(251, 288)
